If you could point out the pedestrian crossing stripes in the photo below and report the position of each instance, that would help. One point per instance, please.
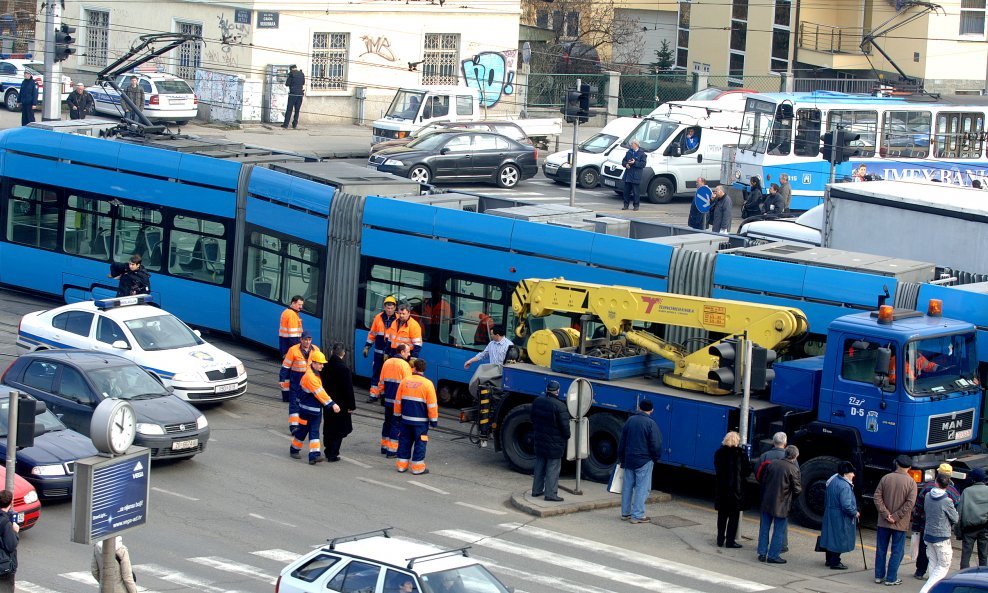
(539, 570)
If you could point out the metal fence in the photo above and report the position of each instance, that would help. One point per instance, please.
(761, 84)
(832, 40)
(640, 94)
(840, 85)
(549, 90)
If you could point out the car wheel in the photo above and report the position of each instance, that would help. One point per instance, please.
(508, 176)
(660, 191)
(588, 178)
(420, 174)
(10, 100)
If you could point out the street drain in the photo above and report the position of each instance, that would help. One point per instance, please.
(672, 522)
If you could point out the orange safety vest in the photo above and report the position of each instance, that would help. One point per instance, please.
(313, 395)
(394, 371)
(379, 333)
(409, 334)
(415, 402)
(295, 364)
(291, 324)
(923, 365)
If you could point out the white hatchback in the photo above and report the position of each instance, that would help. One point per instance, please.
(376, 563)
(166, 97)
(196, 370)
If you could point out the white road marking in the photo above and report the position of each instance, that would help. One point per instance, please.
(229, 413)
(355, 462)
(483, 509)
(568, 562)
(427, 487)
(169, 492)
(256, 516)
(383, 484)
(233, 567)
(545, 581)
(29, 587)
(180, 579)
(86, 578)
(277, 555)
(677, 568)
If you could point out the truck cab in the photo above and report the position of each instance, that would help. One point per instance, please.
(415, 107)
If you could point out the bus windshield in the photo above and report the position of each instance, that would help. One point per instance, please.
(651, 134)
(940, 365)
(757, 125)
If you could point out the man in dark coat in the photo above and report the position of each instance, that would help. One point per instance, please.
(550, 423)
(296, 89)
(8, 542)
(80, 102)
(780, 486)
(633, 163)
(721, 211)
(338, 382)
(639, 449)
(695, 219)
(732, 469)
(134, 278)
(27, 97)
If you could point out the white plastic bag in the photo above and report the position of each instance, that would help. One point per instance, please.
(617, 480)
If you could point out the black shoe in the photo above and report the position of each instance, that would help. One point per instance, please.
(624, 207)
(635, 208)
(733, 545)
(720, 543)
(295, 455)
(761, 557)
(284, 127)
(538, 493)
(372, 399)
(785, 549)
(838, 566)
(319, 459)
(554, 498)
(294, 126)
(332, 459)
(391, 455)
(779, 561)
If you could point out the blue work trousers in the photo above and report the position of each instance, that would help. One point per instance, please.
(778, 526)
(390, 430)
(308, 427)
(635, 490)
(412, 441)
(890, 572)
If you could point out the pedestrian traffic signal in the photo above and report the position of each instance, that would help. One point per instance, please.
(726, 375)
(63, 43)
(584, 111)
(28, 410)
(761, 372)
(571, 108)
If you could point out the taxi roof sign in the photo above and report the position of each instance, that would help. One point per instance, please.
(125, 301)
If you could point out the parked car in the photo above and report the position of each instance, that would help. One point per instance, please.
(713, 93)
(505, 128)
(969, 580)
(142, 333)
(49, 464)
(591, 154)
(379, 564)
(166, 97)
(460, 155)
(73, 382)
(12, 75)
(26, 502)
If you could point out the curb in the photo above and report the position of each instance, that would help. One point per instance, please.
(523, 501)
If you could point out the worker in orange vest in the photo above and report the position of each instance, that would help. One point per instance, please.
(417, 410)
(292, 370)
(313, 399)
(406, 331)
(922, 365)
(395, 371)
(290, 331)
(378, 338)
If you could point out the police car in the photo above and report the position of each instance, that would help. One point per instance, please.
(377, 563)
(12, 75)
(158, 341)
(166, 97)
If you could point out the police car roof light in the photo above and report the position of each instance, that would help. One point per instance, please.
(141, 299)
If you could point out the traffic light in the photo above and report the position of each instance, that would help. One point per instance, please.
(761, 360)
(844, 149)
(571, 108)
(584, 103)
(828, 148)
(726, 374)
(63, 43)
(28, 410)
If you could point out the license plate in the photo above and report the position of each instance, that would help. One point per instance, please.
(226, 388)
(609, 182)
(964, 435)
(176, 101)
(189, 444)
(372, 167)
(20, 518)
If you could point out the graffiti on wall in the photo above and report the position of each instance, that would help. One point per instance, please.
(379, 46)
(231, 32)
(492, 74)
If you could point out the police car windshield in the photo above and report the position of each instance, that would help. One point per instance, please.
(126, 382)
(162, 332)
(940, 365)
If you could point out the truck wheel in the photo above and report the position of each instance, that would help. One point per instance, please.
(605, 431)
(808, 508)
(588, 178)
(660, 191)
(10, 100)
(445, 394)
(517, 439)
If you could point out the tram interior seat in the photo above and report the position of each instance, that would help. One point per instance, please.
(262, 286)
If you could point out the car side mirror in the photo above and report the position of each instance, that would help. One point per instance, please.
(883, 357)
(444, 150)
(675, 149)
(197, 333)
(120, 345)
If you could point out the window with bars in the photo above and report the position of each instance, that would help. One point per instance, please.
(781, 34)
(441, 58)
(97, 37)
(683, 34)
(329, 61)
(190, 52)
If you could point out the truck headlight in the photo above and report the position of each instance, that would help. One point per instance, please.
(201, 422)
(30, 497)
(929, 475)
(48, 470)
(149, 429)
(393, 163)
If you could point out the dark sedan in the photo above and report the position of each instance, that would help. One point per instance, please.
(460, 155)
(49, 464)
(73, 382)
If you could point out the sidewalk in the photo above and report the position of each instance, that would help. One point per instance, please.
(595, 496)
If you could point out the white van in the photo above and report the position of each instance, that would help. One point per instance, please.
(672, 166)
(591, 154)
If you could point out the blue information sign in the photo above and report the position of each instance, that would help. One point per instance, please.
(110, 495)
(703, 199)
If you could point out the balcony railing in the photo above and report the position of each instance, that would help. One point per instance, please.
(832, 40)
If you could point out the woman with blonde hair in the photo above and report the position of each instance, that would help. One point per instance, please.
(732, 469)
(124, 582)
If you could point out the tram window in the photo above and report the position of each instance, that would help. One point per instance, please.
(959, 135)
(808, 132)
(410, 286)
(474, 307)
(301, 274)
(862, 123)
(781, 138)
(32, 217)
(138, 230)
(199, 252)
(278, 269)
(906, 134)
(88, 228)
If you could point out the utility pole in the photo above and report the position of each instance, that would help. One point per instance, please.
(573, 153)
(52, 106)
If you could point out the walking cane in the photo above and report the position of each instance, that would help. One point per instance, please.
(861, 539)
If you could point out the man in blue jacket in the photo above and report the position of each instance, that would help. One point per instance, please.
(27, 97)
(639, 449)
(633, 163)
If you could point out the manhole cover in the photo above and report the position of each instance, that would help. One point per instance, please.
(672, 521)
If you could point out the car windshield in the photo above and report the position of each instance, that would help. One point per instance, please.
(162, 332)
(173, 87)
(597, 143)
(50, 421)
(35, 68)
(430, 142)
(651, 134)
(127, 382)
(468, 579)
(941, 365)
(405, 105)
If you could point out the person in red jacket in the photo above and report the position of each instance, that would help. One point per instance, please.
(417, 410)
